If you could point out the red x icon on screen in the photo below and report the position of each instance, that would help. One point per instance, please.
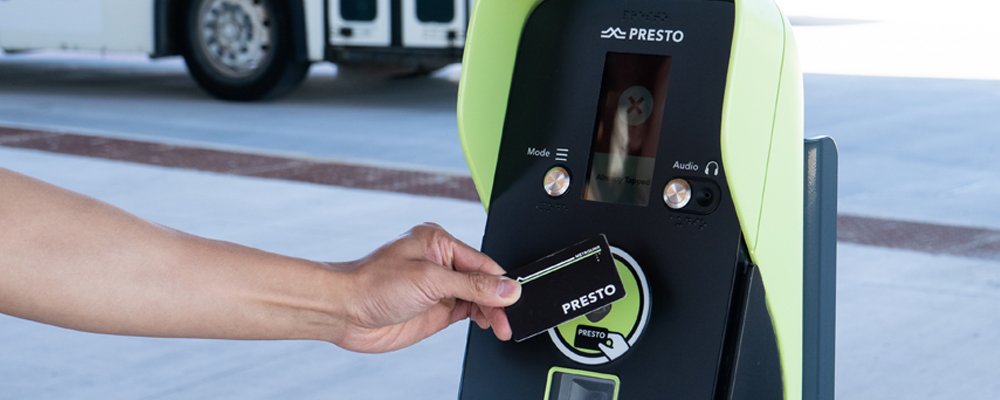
(635, 105)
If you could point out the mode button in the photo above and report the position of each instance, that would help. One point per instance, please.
(556, 181)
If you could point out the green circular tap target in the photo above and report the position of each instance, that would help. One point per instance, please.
(607, 333)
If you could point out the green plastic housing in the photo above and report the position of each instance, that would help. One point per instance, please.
(761, 136)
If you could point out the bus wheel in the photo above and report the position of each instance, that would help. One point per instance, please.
(242, 49)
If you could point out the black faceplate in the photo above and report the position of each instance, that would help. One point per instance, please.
(689, 259)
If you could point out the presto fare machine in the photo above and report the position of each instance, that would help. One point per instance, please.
(674, 128)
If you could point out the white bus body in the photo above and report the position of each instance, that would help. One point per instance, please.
(420, 33)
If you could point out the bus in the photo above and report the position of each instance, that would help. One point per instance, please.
(246, 50)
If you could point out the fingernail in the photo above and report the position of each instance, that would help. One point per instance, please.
(507, 288)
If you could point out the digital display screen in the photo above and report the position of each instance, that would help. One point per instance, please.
(627, 132)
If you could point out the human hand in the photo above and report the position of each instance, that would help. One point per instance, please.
(617, 348)
(419, 284)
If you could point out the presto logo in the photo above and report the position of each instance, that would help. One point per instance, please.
(588, 299)
(613, 32)
(643, 34)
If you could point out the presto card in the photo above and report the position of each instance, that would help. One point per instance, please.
(564, 285)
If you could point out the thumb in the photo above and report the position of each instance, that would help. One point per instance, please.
(483, 289)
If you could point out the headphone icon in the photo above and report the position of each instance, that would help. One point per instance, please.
(708, 168)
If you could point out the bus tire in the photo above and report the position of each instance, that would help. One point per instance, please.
(242, 50)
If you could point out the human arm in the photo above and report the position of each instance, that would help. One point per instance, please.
(75, 262)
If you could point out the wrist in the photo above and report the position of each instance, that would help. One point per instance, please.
(335, 286)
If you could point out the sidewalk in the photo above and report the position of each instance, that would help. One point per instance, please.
(303, 220)
(909, 325)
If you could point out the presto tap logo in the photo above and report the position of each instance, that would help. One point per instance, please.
(613, 32)
(643, 34)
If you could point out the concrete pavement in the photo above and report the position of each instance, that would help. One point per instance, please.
(910, 325)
